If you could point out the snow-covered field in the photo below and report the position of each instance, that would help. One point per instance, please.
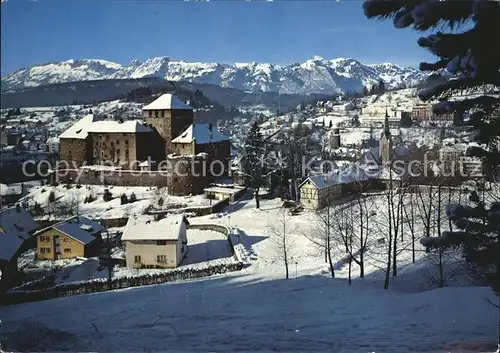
(113, 209)
(241, 312)
(257, 309)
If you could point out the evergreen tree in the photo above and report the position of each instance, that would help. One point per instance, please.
(381, 87)
(474, 59)
(364, 91)
(252, 161)
(123, 199)
(107, 196)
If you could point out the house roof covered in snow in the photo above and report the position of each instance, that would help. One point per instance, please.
(129, 126)
(15, 226)
(82, 229)
(146, 228)
(167, 101)
(200, 133)
(10, 189)
(53, 140)
(344, 176)
(80, 129)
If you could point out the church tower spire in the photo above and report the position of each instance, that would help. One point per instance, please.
(387, 131)
(385, 143)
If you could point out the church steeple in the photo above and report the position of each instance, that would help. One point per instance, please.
(385, 143)
(387, 131)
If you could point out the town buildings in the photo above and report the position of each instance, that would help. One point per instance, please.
(53, 145)
(155, 244)
(423, 112)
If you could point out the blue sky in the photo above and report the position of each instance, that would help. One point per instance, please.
(35, 32)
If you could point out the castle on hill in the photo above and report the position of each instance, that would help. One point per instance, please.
(167, 133)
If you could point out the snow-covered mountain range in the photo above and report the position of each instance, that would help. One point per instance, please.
(316, 75)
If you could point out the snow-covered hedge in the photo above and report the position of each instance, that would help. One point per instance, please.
(100, 285)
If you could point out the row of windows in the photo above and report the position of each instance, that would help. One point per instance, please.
(44, 238)
(45, 250)
(157, 114)
(107, 136)
(159, 258)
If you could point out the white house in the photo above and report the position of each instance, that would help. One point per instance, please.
(152, 244)
(53, 144)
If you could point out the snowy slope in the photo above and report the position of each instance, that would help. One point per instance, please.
(244, 313)
(316, 75)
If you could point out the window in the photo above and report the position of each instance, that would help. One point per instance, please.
(45, 250)
(126, 152)
(126, 142)
(162, 113)
(161, 258)
(117, 142)
(150, 113)
(67, 250)
(156, 113)
(66, 239)
(118, 152)
(161, 242)
(102, 153)
(137, 258)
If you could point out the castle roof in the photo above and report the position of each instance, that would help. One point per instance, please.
(201, 133)
(80, 129)
(167, 101)
(130, 126)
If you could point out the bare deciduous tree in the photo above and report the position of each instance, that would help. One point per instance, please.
(323, 233)
(280, 235)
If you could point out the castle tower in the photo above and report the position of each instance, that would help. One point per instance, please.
(335, 138)
(385, 144)
(169, 116)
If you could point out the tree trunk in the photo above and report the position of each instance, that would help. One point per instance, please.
(412, 229)
(441, 269)
(285, 253)
(389, 255)
(330, 261)
(257, 198)
(362, 247)
(328, 245)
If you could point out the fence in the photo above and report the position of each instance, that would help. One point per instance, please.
(101, 285)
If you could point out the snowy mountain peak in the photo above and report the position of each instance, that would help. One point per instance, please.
(316, 75)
